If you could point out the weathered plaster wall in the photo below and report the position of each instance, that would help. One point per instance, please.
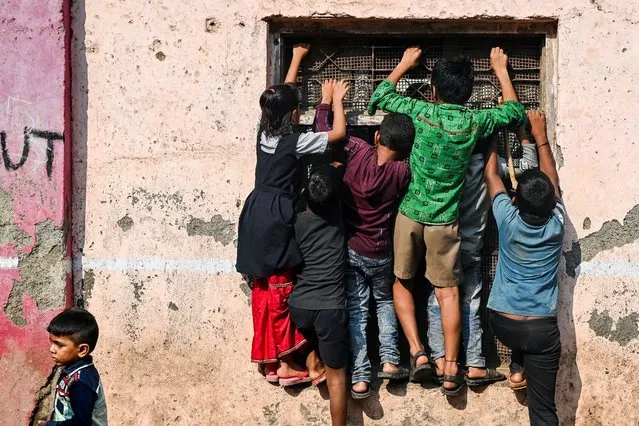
(33, 261)
(163, 158)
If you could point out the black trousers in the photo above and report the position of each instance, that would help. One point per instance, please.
(536, 349)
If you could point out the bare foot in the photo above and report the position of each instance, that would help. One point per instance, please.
(450, 369)
(360, 387)
(439, 366)
(476, 373)
(289, 369)
(314, 365)
(517, 377)
(271, 368)
(387, 367)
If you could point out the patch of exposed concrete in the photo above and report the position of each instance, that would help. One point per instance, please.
(587, 223)
(45, 397)
(43, 273)
(222, 230)
(9, 231)
(88, 283)
(626, 329)
(612, 234)
(161, 200)
(126, 223)
(246, 290)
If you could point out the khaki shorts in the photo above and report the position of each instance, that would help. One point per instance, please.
(441, 244)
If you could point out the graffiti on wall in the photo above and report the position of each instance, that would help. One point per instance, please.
(29, 135)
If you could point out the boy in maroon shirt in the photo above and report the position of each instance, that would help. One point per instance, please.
(375, 180)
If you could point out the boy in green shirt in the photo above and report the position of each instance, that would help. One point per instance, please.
(445, 135)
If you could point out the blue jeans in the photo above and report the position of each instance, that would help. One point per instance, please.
(364, 274)
(470, 295)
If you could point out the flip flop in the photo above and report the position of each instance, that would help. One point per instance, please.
(458, 380)
(272, 378)
(320, 379)
(295, 380)
(492, 376)
(402, 374)
(361, 395)
(420, 373)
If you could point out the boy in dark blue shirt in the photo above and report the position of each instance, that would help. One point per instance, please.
(79, 398)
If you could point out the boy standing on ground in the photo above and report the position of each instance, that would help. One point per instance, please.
(318, 302)
(446, 133)
(79, 398)
(374, 180)
(523, 299)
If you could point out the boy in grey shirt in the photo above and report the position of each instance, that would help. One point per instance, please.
(473, 217)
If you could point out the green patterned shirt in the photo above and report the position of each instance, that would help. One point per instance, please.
(445, 135)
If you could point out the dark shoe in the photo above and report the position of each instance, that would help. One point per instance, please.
(458, 380)
(420, 373)
(492, 376)
(402, 374)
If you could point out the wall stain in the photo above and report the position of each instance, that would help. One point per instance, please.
(9, 231)
(126, 223)
(612, 234)
(45, 397)
(87, 284)
(43, 273)
(173, 306)
(626, 329)
(587, 223)
(161, 200)
(222, 230)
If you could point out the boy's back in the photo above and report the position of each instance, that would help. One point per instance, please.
(320, 280)
(445, 137)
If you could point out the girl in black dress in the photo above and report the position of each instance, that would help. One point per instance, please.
(266, 249)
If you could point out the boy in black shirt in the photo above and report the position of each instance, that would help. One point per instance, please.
(318, 301)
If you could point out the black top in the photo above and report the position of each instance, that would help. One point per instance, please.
(320, 279)
(265, 241)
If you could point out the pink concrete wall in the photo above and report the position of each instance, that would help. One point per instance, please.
(32, 196)
(164, 114)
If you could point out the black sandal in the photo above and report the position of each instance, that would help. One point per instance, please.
(402, 374)
(458, 379)
(422, 372)
(438, 379)
(361, 395)
(492, 376)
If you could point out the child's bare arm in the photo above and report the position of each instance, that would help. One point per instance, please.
(299, 53)
(386, 97)
(499, 63)
(339, 117)
(546, 159)
(491, 171)
(409, 61)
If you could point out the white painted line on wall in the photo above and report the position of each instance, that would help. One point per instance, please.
(159, 264)
(8, 262)
(609, 269)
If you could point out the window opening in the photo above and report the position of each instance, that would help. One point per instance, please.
(365, 61)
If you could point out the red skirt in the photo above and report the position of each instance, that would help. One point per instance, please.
(274, 334)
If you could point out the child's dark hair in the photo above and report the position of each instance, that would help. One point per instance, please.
(77, 324)
(453, 79)
(397, 133)
(535, 194)
(324, 188)
(278, 103)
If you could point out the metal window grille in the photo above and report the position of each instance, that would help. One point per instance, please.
(365, 62)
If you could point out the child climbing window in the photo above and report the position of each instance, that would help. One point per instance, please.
(266, 249)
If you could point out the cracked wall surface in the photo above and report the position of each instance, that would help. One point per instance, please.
(166, 158)
(33, 261)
